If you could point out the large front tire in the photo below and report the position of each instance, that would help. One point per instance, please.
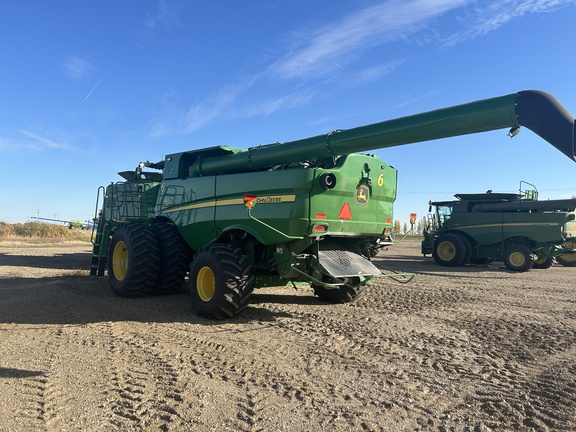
(220, 281)
(518, 258)
(451, 250)
(133, 260)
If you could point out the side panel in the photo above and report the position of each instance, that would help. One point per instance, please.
(541, 227)
(281, 200)
(190, 203)
(484, 228)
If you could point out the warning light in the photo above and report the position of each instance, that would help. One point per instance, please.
(412, 218)
(345, 212)
(319, 228)
(320, 215)
(388, 220)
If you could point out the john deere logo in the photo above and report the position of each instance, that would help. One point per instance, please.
(362, 193)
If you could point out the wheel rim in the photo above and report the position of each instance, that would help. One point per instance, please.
(517, 259)
(569, 257)
(446, 250)
(540, 260)
(120, 260)
(206, 284)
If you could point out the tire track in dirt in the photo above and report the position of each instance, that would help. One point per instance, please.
(37, 390)
(346, 340)
(204, 357)
(142, 391)
(527, 373)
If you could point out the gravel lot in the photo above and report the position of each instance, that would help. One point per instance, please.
(476, 348)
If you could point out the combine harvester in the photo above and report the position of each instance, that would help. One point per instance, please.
(306, 211)
(514, 228)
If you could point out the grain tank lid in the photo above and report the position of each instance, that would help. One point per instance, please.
(489, 197)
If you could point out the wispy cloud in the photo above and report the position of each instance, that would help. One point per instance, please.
(6, 144)
(166, 14)
(491, 16)
(339, 44)
(322, 57)
(39, 140)
(78, 67)
(267, 107)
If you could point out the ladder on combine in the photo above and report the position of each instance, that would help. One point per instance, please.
(99, 240)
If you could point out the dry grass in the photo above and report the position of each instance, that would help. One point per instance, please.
(39, 232)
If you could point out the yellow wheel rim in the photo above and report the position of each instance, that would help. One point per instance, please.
(540, 260)
(517, 259)
(120, 261)
(206, 284)
(446, 250)
(569, 257)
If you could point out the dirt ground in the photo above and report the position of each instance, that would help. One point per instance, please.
(476, 348)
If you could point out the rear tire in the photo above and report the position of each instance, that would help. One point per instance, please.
(220, 281)
(133, 260)
(518, 258)
(344, 294)
(175, 258)
(542, 263)
(568, 259)
(450, 250)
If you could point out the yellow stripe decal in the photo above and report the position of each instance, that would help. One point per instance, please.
(511, 225)
(269, 199)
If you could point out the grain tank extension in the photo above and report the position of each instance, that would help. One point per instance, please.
(306, 211)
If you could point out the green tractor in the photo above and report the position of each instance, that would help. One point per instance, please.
(224, 221)
(514, 228)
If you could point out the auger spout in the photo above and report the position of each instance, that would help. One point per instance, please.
(537, 110)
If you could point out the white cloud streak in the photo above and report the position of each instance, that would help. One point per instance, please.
(38, 141)
(331, 48)
(487, 17)
(328, 55)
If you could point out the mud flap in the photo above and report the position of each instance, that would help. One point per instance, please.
(342, 264)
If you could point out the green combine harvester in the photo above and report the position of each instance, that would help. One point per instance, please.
(307, 211)
(514, 228)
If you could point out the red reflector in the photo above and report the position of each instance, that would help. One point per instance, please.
(320, 215)
(388, 220)
(345, 212)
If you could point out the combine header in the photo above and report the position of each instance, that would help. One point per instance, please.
(304, 211)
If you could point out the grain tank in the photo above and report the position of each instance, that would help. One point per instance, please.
(306, 211)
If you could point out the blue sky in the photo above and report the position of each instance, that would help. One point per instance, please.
(92, 87)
